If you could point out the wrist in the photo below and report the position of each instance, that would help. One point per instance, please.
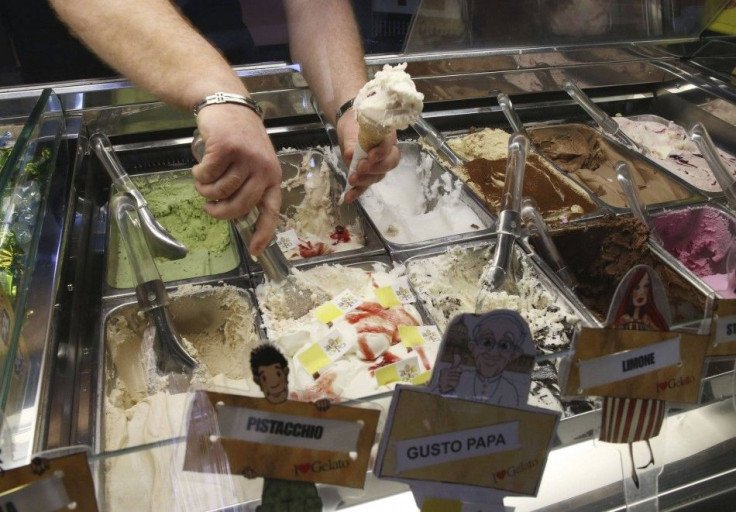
(220, 98)
(343, 109)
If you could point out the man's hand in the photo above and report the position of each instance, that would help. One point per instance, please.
(374, 167)
(322, 404)
(450, 377)
(239, 169)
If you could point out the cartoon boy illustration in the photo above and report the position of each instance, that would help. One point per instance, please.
(271, 373)
(494, 341)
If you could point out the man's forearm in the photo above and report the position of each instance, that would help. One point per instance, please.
(150, 43)
(325, 40)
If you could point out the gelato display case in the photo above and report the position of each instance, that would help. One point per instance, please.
(78, 364)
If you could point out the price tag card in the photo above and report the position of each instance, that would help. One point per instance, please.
(637, 364)
(49, 485)
(395, 295)
(289, 441)
(287, 241)
(343, 303)
(723, 329)
(442, 439)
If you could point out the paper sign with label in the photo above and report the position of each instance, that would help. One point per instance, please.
(673, 382)
(395, 295)
(49, 485)
(327, 350)
(288, 441)
(628, 364)
(343, 303)
(450, 440)
(415, 335)
(287, 240)
(723, 329)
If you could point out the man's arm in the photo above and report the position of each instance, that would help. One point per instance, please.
(324, 38)
(150, 43)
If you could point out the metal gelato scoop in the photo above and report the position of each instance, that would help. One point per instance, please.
(161, 242)
(436, 140)
(498, 273)
(511, 116)
(168, 346)
(638, 208)
(701, 138)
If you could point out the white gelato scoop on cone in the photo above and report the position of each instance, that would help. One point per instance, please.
(389, 101)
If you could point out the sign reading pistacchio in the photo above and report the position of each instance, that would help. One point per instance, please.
(661, 365)
(289, 441)
(49, 485)
(723, 329)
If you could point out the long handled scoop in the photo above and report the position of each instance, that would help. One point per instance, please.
(638, 208)
(701, 138)
(161, 242)
(301, 300)
(508, 111)
(498, 274)
(435, 139)
(538, 228)
(171, 356)
(607, 124)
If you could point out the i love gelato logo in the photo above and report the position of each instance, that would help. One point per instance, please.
(674, 383)
(319, 466)
(513, 471)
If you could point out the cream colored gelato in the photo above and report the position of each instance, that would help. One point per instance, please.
(390, 100)
(218, 325)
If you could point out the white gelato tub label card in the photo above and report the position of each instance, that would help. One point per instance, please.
(723, 328)
(327, 350)
(458, 445)
(630, 363)
(417, 335)
(48, 485)
(341, 304)
(396, 294)
(279, 429)
(287, 240)
(288, 440)
(407, 370)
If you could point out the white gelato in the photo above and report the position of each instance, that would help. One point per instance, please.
(370, 332)
(408, 206)
(390, 100)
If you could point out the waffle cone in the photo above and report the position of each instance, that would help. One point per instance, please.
(370, 135)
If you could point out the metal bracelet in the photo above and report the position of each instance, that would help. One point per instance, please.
(226, 97)
(343, 108)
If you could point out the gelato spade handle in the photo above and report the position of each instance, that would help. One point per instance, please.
(701, 137)
(435, 139)
(508, 110)
(161, 241)
(607, 124)
(638, 208)
(535, 224)
(272, 259)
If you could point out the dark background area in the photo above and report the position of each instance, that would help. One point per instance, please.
(35, 47)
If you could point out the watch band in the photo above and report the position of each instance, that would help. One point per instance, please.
(226, 97)
(343, 108)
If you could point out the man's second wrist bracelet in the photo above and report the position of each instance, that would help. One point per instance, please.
(226, 97)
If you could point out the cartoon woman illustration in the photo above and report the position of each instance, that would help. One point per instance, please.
(636, 306)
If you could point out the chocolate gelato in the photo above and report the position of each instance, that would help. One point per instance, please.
(591, 160)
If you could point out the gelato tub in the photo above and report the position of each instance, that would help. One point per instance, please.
(219, 325)
(177, 206)
(420, 203)
(590, 159)
(558, 197)
(700, 237)
(314, 227)
(669, 145)
(370, 330)
(448, 281)
(600, 252)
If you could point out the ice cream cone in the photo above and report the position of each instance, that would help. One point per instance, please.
(370, 135)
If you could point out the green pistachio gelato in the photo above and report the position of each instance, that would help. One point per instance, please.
(177, 206)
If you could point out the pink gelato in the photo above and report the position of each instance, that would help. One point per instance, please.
(700, 238)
